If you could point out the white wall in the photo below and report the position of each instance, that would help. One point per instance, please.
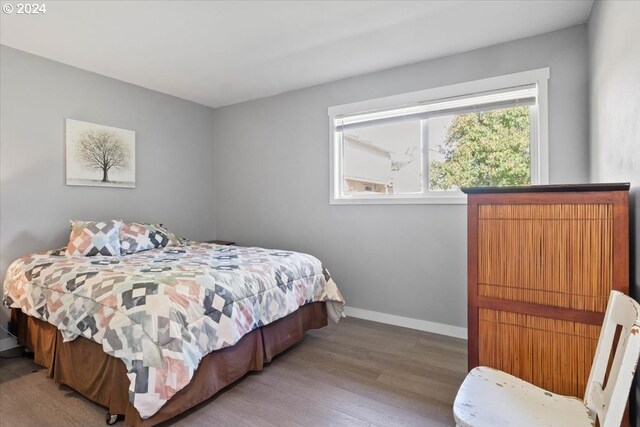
(614, 88)
(272, 178)
(614, 91)
(174, 152)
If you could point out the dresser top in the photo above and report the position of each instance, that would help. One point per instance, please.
(556, 188)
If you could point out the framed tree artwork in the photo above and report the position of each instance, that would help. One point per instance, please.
(98, 155)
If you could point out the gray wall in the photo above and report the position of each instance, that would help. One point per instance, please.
(614, 90)
(174, 155)
(272, 178)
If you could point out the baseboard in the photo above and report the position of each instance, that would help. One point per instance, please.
(407, 322)
(8, 343)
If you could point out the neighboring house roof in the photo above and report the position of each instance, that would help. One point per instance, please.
(368, 144)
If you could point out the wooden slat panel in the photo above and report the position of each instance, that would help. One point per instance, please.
(551, 353)
(555, 254)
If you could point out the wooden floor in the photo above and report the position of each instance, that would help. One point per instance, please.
(356, 373)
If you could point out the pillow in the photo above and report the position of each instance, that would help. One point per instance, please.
(90, 238)
(161, 236)
(136, 237)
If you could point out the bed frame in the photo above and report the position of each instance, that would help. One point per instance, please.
(82, 364)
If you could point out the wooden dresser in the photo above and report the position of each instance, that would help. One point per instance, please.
(541, 263)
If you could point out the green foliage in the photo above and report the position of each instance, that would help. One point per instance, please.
(484, 149)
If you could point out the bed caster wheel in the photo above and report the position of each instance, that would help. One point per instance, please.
(111, 419)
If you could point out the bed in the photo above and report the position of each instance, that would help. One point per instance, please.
(152, 334)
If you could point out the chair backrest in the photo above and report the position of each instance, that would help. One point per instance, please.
(608, 403)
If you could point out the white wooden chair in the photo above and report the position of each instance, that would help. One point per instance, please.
(489, 397)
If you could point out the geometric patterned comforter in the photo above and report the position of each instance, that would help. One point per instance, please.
(161, 311)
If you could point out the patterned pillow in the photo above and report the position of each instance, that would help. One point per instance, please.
(161, 236)
(90, 238)
(136, 237)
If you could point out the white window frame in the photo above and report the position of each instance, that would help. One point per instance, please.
(539, 146)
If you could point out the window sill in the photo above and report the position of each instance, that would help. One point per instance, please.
(428, 200)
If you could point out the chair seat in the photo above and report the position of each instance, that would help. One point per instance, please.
(492, 398)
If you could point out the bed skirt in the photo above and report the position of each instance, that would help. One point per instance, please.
(85, 367)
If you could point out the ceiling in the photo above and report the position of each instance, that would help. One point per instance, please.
(223, 52)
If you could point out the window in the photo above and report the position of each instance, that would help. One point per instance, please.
(422, 147)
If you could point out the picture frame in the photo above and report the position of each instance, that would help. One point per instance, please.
(99, 156)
